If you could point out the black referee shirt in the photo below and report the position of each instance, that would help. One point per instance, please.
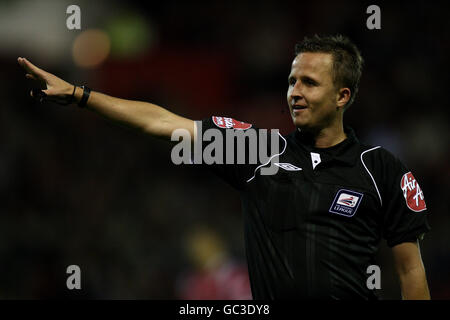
(313, 228)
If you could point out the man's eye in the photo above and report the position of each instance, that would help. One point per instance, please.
(310, 82)
(291, 81)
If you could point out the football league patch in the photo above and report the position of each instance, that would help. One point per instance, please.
(230, 123)
(413, 194)
(346, 202)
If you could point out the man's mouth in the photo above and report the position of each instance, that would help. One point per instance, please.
(298, 107)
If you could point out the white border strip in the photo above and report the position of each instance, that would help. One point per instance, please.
(381, 201)
(270, 159)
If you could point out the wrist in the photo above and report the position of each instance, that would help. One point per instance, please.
(68, 96)
(77, 95)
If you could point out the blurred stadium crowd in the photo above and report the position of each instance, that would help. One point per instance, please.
(75, 189)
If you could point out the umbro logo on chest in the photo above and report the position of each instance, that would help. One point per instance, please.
(287, 166)
(315, 160)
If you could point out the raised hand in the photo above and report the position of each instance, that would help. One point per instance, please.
(58, 90)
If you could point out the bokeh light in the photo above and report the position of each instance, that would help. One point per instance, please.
(131, 35)
(91, 48)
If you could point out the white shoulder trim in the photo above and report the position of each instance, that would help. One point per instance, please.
(278, 154)
(373, 180)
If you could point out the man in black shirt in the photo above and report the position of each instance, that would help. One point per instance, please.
(313, 226)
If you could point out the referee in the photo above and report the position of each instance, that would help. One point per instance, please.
(312, 229)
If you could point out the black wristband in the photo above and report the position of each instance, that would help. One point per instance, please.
(85, 97)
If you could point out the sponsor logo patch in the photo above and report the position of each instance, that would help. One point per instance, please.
(230, 123)
(287, 166)
(346, 202)
(413, 194)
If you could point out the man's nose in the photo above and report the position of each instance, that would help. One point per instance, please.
(296, 92)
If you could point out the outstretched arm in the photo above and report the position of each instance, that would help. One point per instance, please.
(142, 116)
(410, 269)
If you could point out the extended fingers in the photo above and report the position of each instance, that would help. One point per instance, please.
(31, 68)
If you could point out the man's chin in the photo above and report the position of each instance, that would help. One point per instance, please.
(300, 124)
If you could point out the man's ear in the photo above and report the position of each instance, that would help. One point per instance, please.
(342, 97)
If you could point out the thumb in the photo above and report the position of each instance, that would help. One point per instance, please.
(38, 94)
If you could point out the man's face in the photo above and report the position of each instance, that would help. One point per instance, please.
(311, 94)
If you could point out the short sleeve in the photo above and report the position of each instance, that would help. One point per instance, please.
(405, 210)
(231, 149)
